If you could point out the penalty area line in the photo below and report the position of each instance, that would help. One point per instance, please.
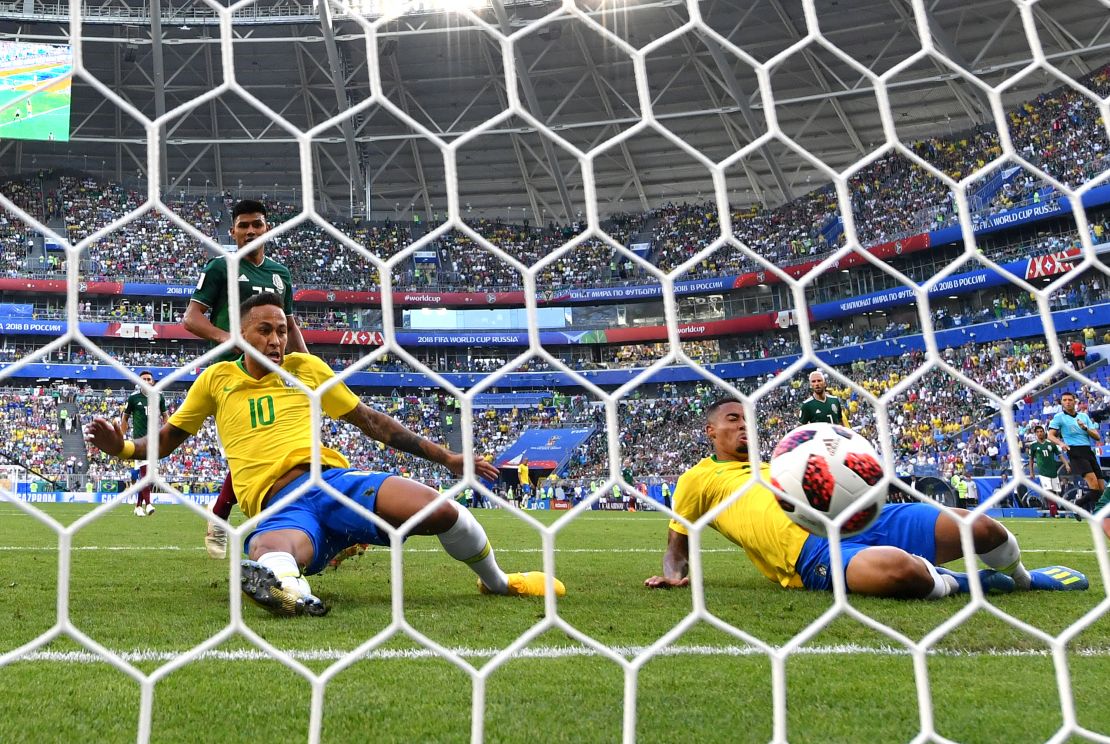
(537, 652)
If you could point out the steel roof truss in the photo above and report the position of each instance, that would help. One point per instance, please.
(342, 103)
(238, 121)
(417, 159)
(1064, 38)
(999, 28)
(822, 82)
(570, 96)
(473, 101)
(431, 123)
(189, 168)
(388, 159)
(732, 85)
(533, 105)
(281, 112)
(607, 104)
(516, 139)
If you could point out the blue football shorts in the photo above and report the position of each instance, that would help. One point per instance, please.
(911, 527)
(329, 524)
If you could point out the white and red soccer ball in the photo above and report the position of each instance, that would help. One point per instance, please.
(832, 469)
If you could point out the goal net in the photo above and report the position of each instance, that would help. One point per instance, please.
(588, 220)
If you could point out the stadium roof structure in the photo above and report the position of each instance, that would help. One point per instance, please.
(308, 62)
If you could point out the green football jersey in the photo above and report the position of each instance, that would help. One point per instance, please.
(827, 411)
(211, 291)
(136, 410)
(1046, 458)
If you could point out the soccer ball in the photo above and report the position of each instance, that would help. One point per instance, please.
(832, 469)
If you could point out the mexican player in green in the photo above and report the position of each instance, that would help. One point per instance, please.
(135, 414)
(1044, 463)
(820, 407)
(208, 316)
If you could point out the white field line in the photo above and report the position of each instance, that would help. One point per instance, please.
(535, 652)
(178, 548)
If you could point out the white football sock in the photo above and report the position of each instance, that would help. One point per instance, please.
(288, 573)
(943, 584)
(466, 541)
(1006, 558)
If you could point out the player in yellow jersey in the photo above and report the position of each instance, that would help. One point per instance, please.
(266, 427)
(524, 478)
(209, 317)
(896, 557)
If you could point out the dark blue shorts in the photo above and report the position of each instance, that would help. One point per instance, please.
(911, 527)
(330, 525)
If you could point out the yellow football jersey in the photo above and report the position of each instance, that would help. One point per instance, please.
(265, 425)
(754, 521)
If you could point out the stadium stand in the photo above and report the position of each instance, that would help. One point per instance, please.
(891, 198)
(940, 426)
(29, 426)
(128, 604)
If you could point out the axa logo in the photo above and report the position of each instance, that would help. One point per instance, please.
(1050, 265)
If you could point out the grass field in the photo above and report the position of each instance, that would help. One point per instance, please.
(51, 115)
(145, 588)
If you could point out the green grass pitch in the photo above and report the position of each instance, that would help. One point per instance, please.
(51, 116)
(145, 587)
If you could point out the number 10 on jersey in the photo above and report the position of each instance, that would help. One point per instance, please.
(262, 411)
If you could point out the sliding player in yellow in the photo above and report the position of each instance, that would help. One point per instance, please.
(898, 556)
(266, 428)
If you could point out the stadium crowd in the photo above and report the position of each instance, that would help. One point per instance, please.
(939, 425)
(1002, 304)
(30, 429)
(13, 234)
(892, 197)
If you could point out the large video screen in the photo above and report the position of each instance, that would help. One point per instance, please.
(24, 67)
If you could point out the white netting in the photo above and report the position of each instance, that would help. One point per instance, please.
(586, 159)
